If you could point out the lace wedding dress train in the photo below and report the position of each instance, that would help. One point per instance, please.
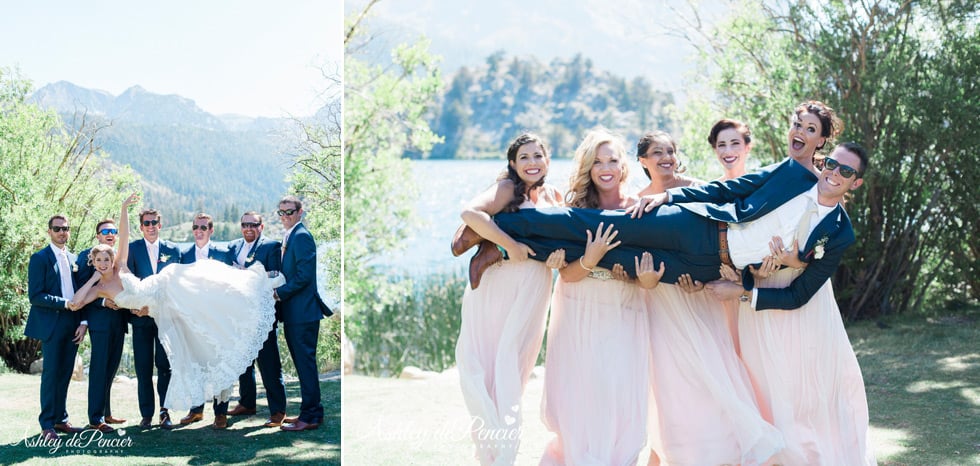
(212, 320)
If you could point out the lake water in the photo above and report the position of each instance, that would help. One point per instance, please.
(445, 187)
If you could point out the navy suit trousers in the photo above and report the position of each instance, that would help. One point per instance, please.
(301, 338)
(59, 353)
(270, 366)
(685, 242)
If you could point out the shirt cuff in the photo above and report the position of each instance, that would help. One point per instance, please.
(755, 297)
(84, 322)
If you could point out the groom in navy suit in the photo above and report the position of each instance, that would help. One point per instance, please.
(149, 256)
(50, 287)
(302, 310)
(252, 247)
(722, 222)
(107, 332)
(203, 249)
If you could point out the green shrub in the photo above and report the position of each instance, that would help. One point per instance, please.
(419, 328)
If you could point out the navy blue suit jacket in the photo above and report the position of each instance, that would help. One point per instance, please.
(298, 298)
(44, 292)
(263, 250)
(99, 317)
(188, 256)
(138, 263)
(752, 196)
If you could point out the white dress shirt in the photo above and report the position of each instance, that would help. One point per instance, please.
(749, 242)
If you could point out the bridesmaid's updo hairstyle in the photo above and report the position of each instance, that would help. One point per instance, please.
(643, 145)
(831, 125)
(101, 249)
(521, 189)
(728, 123)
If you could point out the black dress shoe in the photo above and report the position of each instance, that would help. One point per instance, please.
(165, 420)
(464, 239)
(146, 422)
(486, 255)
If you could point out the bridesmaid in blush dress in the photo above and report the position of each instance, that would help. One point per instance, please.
(595, 387)
(702, 408)
(805, 372)
(503, 319)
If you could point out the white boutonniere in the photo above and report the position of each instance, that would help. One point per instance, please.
(74, 267)
(818, 249)
(250, 258)
(164, 258)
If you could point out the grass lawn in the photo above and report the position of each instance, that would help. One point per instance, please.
(244, 442)
(922, 377)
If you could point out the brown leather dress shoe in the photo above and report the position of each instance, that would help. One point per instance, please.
(241, 411)
(49, 434)
(298, 426)
(275, 420)
(486, 255)
(191, 417)
(165, 421)
(146, 422)
(113, 420)
(464, 239)
(220, 422)
(67, 428)
(101, 427)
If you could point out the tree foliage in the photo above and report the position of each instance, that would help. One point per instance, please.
(44, 170)
(315, 177)
(902, 75)
(485, 107)
(384, 109)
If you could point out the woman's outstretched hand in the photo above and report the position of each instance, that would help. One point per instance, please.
(645, 274)
(132, 199)
(597, 247)
(556, 260)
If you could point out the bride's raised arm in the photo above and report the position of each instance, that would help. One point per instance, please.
(123, 252)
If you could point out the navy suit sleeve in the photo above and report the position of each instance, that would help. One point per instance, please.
(723, 192)
(37, 271)
(305, 270)
(806, 285)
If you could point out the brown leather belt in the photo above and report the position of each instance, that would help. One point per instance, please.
(726, 258)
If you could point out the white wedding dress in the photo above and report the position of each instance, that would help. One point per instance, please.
(212, 320)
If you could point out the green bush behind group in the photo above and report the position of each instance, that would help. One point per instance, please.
(902, 75)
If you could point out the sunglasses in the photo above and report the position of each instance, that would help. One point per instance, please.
(251, 224)
(845, 171)
(199, 227)
(108, 231)
(147, 223)
(286, 212)
(59, 229)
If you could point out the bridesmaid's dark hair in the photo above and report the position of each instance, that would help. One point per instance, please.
(520, 187)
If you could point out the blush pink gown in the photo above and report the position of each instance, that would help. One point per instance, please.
(807, 378)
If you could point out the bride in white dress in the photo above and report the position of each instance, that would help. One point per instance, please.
(212, 319)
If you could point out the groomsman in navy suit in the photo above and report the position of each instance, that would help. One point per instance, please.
(302, 310)
(107, 332)
(203, 249)
(149, 256)
(252, 247)
(50, 287)
(722, 222)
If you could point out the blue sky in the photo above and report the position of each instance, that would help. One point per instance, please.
(250, 57)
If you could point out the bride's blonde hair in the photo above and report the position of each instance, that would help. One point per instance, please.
(581, 191)
(99, 249)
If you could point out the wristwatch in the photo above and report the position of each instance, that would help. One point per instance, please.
(746, 296)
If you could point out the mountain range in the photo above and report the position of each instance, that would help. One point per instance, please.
(190, 160)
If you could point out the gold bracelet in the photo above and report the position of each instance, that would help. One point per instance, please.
(583, 265)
